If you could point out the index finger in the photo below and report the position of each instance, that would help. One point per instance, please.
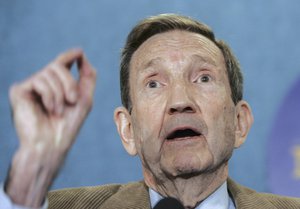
(67, 58)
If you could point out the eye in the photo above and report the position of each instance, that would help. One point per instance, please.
(204, 79)
(153, 84)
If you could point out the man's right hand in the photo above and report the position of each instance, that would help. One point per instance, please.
(48, 111)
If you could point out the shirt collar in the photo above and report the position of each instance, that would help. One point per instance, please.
(218, 199)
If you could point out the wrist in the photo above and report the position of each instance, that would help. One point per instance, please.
(30, 176)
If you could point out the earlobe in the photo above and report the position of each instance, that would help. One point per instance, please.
(244, 122)
(123, 122)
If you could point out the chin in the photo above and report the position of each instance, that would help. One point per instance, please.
(187, 169)
(187, 173)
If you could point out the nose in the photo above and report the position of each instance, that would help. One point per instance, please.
(181, 101)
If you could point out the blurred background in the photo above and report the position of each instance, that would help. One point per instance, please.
(263, 34)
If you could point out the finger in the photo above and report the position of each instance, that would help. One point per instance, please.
(87, 80)
(67, 58)
(57, 88)
(16, 93)
(40, 86)
(66, 80)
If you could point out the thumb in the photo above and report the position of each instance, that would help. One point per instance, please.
(87, 81)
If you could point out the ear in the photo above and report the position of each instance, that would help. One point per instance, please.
(123, 122)
(244, 119)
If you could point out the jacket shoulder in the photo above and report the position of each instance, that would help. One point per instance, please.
(247, 198)
(93, 197)
(282, 201)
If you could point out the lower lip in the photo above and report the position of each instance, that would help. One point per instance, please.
(184, 139)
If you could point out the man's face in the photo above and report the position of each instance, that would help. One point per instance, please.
(183, 117)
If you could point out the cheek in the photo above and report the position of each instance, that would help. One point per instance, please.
(149, 111)
(223, 131)
(230, 128)
(218, 111)
(147, 142)
(216, 101)
(147, 120)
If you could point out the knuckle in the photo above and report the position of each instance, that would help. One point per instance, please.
(39, 76)
(44, 70)
(53, 67)
(36, 83)
(60, 56)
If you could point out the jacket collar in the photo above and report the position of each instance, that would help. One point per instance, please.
(136, 196)
(245, 198)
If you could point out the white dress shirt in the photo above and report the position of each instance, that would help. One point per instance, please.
(6, 203)
(220, 199)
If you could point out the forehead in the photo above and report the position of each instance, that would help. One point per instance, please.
(177, 45)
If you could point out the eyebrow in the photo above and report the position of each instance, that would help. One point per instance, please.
(152, 62)
(206, 59)
(147, 67)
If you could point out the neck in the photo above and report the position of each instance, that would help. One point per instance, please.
(191, 190)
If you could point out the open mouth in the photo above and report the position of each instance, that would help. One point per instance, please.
(185, 133)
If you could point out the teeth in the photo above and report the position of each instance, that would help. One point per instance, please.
(182, 134)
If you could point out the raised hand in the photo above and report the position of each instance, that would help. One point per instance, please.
(48, 111)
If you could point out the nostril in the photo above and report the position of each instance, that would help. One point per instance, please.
(172, 110)
(188, 109)
(180, 109)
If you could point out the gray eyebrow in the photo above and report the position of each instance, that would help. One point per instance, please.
(197, 57)
(151, 62)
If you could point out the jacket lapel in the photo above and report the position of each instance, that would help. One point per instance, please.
(245, 198)
(131, 196)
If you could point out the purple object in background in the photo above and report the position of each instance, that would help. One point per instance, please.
(284, 146)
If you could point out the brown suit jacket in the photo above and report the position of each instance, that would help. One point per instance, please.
(135, 196)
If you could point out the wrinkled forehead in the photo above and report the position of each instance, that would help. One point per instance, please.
(177, 45)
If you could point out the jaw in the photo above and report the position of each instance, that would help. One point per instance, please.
(177, 158)
(186, 171)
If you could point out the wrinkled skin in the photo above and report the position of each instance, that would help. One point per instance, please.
(178, 81)
(48, 110)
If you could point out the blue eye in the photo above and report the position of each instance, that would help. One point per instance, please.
(153, 84)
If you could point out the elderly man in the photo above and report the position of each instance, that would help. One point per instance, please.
(183, 115)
